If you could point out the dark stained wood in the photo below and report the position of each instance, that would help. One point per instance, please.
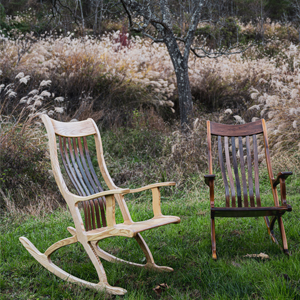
(87, 153)
(250, 211)
(256, 172)
(229, 171)
(209, 148)
(283, 235)
(268, 161)
(91, 205)
(68, 171)
(243, 172)
(276, 211)
(102, 201)
(283, 175)
(283, 191)
(213, 238)
(236, 172)
(249, 164)
(208, 178)
(223, 171)
(85, 205)
(236, 130)
(95, 189)
(82, 172)
(71, 174)
(76, 169)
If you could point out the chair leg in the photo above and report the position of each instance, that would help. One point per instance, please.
(150, 261)
(213, 239)
(283, 236)
(45, 260)
(270, 226)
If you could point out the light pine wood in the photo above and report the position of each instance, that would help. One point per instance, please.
(243, 133)
(152, 186)
(46, 262)
(90, 238)
(100, 194)
(73, 129)
(149, 258)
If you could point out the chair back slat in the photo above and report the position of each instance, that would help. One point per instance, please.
(83, 172)
(243, 172)
(222, 166)
(229, 171)
(250, 178)
(97, 202)
(79, 168)
(101, 202)
(67, 165)
(256, 171)
(90, 164)
(236, 172)
(71, 174)
(76, 168)
(79, 182)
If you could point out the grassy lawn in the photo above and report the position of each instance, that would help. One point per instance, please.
(185, 247)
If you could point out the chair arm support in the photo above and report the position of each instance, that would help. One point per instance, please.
(151, 186)
(155, 195)
(209, 178)
(100, 194)
(281, 179)
(281, 175)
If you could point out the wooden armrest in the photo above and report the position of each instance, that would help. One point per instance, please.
(208, 178)
(281, 175)
(152, 186)
(100, 194)
(155, 195)
(281, 179)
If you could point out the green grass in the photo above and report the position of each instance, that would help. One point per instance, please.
(186, 247)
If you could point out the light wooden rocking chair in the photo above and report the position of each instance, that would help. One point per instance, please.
(236, 140)
(99, 205)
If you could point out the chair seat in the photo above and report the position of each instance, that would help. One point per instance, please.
(131, 230)
(249, 211)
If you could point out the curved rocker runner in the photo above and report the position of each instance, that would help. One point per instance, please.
(98, 205)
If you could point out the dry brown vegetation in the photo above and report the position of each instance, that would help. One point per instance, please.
(130, 91)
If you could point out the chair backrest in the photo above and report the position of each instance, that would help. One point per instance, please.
(238, 150)
(70, 140)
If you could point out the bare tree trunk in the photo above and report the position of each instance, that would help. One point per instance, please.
(184, 96)
(96, 18)
(101, 16)
(180, 64)
(82, 18)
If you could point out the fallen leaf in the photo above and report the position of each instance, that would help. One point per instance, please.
(160, 288)
(201, 213)
(260, 255)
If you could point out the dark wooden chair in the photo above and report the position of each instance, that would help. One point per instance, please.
(234, 142)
